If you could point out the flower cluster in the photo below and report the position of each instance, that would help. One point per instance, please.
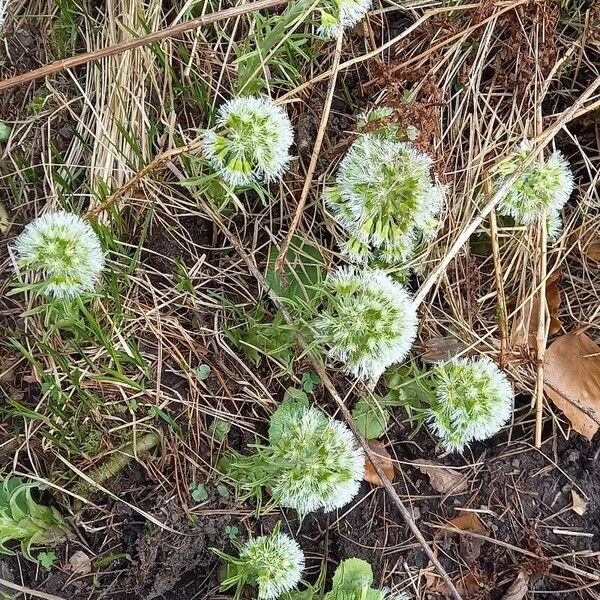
(369, 321)
(311, 463)
(539, 192)
(272, 563)
(385, 198)
(250, 142)
(339, 15)
(472, 400)
(62, 252)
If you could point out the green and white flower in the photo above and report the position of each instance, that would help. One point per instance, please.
(272, 563)
(319, 465)
(250, 142)
(62, 253)
(543, 189)
(339, 15)
(369, 321)
(385, 198)
(473, 401)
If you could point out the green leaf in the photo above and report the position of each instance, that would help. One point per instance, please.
(5, 131)
(203, 372)
(303, 272)
(223, 491)
(310, 381)
(198, 491)
(46, 559)
(294, 402)
(371, 418)
(352, 574)
(219, 429)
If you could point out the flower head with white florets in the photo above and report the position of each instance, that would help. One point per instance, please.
(542, 189)
(2, 12)
(339, 15)
(369, 321)
(272, 563)
(319, 465)
(62, 252)
(250, 142)
(473, 401)
(385, 198)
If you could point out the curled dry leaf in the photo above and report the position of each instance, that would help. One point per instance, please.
(4, 219)
(572, 380)
(384, 460)
(442, 479)
(470, 547)
(592, 250)
(579, 504)
(442, 348)
(519, 587)
(525, 325)
(80, 563)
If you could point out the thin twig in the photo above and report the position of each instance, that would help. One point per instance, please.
(25, 590)
(143, 40)
(313, 159)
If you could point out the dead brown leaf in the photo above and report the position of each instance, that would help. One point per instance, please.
(579, 504)
(519, 587)
(80, 563)
(572, 380)
(525, 325)
(442, 479)
(470, 547)
(442, 348)
(4, 219)
(592, 250)
(384, 460)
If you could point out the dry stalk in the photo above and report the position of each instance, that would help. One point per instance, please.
(313, 159)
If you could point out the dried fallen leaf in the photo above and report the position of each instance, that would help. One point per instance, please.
(470, 547)
(572, 380)
(592, 250)
(579, 504)
(80, 563)
(4, 220)
(519, 587)
(384, 460)
(442, 479)
(525, 325)
(442, 348)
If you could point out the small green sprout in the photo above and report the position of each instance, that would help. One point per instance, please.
(369, 321)
(250, 141)
(385, 198)
(23, 520)
(271, 563)
(63, 252)
(46, 559)
(542, 190)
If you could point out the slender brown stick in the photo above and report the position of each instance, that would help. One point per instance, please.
(313, 159)
(25, 590)
(500, 297)
(326, 380)
(144, 40)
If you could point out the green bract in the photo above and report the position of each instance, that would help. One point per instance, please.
(472, 400)
(311, 463)
(250, 142)
(385, 198)
(368, 322)
(543, 189)
(23, 520)
(272, 563)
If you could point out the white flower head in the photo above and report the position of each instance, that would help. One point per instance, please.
(542, 189)
(554, 225)
(369, 322)
(274, 563)
(339, 15)
(250, 142)
(320, 464)
(62, 252)
(2, 12)
(385, 198)
(474, 400)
